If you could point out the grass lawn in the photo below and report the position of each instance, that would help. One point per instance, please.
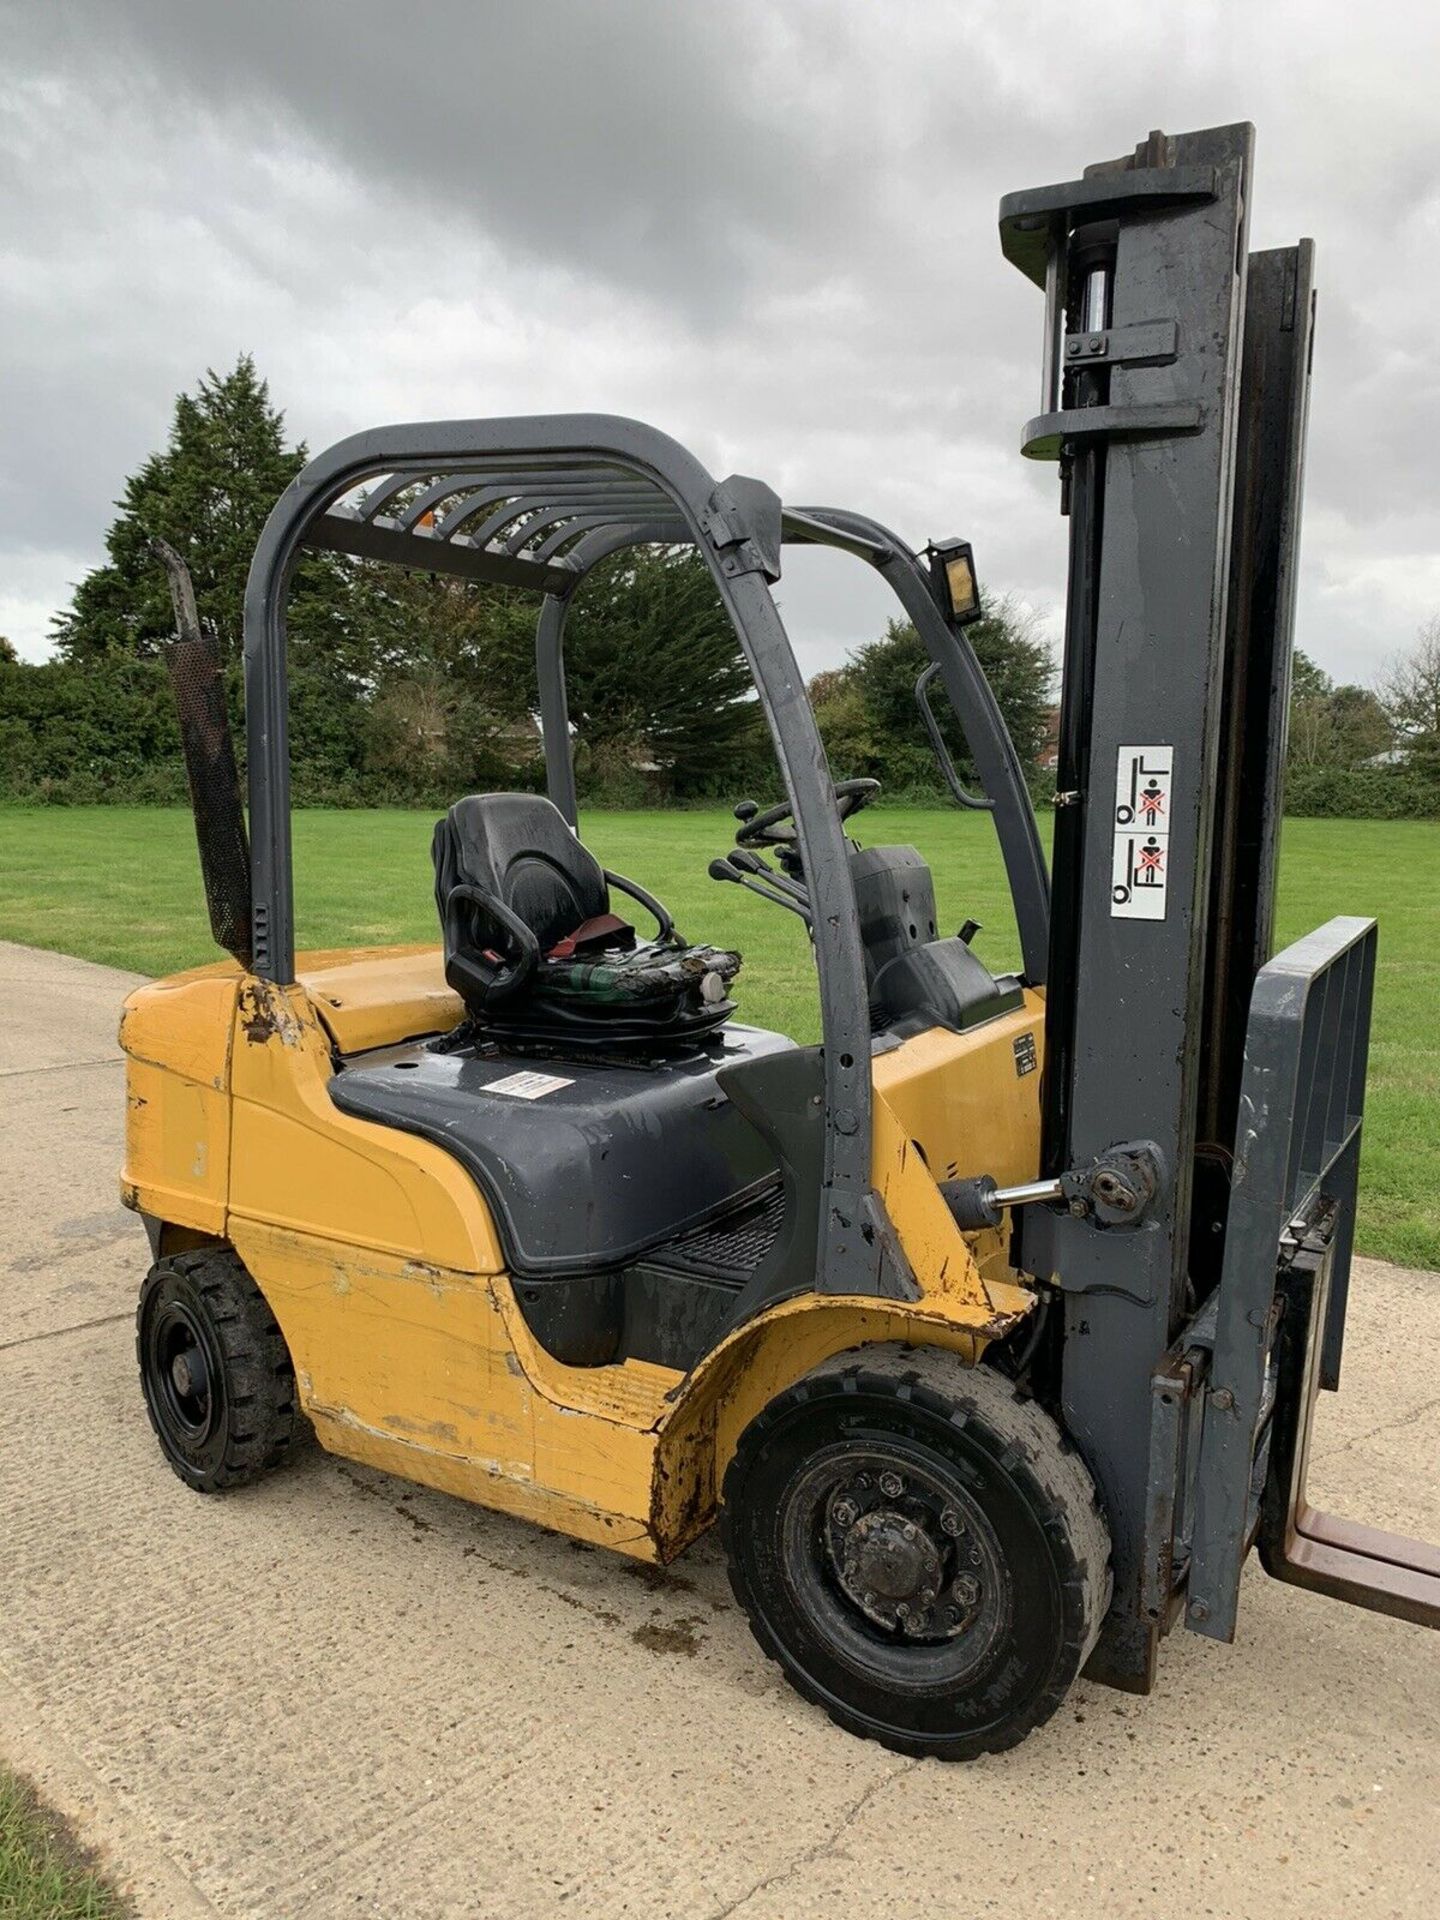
(43, 1875)
(122, 886)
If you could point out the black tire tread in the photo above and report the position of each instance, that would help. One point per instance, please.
(1021, 1437)
(260, 1377)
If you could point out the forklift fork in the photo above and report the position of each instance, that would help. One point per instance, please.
(1297, 1542)
(1275, 1325)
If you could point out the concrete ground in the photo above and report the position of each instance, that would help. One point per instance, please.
(334, 1695)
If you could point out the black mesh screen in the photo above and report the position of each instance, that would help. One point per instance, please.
(214, 791)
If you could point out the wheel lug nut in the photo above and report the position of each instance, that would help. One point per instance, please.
(966, 1590)
(951, 1523)
(845, 1512)
(902, 1610)
(890, 1485)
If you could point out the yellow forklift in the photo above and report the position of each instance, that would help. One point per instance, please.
(990, 1327)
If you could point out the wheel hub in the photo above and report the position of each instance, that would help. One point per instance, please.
(888, 1559)
(901, 1555)
(181, 1373)
(189, 1373)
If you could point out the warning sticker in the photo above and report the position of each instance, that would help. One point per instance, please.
(1140, 869)
(528, 1086)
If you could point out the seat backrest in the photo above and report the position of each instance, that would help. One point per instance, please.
(519, 847)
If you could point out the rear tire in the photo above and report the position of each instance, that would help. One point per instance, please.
(215, 1371)
(919, 1549)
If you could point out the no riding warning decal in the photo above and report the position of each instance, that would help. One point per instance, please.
(1140, 873)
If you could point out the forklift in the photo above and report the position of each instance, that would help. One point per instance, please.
(991, 1328)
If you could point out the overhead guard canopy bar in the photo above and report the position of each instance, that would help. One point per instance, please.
(512, 526)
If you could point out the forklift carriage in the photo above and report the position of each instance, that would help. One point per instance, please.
(991, 1327)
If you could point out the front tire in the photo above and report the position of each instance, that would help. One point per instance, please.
(919, 1549)
(215, 1371)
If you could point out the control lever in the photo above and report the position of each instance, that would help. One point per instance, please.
(752, 863)
(727, 868)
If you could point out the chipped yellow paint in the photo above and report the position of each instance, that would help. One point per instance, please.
(298, 1162)
(184, 1024)
(408, 1366)
(720, 1398)
(380, 1260)
(959, 1097)
(176, 1036)
(378, 996)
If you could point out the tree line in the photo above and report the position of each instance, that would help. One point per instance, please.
(1363, 751)
(413, 688)
(410, 688)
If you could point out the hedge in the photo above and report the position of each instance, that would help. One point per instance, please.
(107, 734)
(1361, 793)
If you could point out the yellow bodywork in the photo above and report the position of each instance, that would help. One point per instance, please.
(378, 1256)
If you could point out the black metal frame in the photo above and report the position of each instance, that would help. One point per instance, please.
(538, 501)
(1176, 386)
(1144, 270)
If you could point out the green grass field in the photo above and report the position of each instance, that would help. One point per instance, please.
(44, 1874)
(121, 886)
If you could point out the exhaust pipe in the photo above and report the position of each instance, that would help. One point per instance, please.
(193, 663)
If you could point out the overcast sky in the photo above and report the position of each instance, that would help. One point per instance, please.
(767, 226)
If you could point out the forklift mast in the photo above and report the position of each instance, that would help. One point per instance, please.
(1174, 400)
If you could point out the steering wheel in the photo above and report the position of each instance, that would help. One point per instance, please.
(767, 827)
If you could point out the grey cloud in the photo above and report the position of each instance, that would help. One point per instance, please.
(767, 226)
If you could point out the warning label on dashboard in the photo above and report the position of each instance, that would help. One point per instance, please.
(528, 1086)
(1140, 869)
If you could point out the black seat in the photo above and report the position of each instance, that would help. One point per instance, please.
(534, 950)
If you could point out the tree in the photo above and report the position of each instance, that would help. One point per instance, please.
(655, 677)
(867, 714)
(1310, 691)
(451, 710)
(1360, 726)
(208, 493)
(8, 656)
(1332, 726)
(1410, 694)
